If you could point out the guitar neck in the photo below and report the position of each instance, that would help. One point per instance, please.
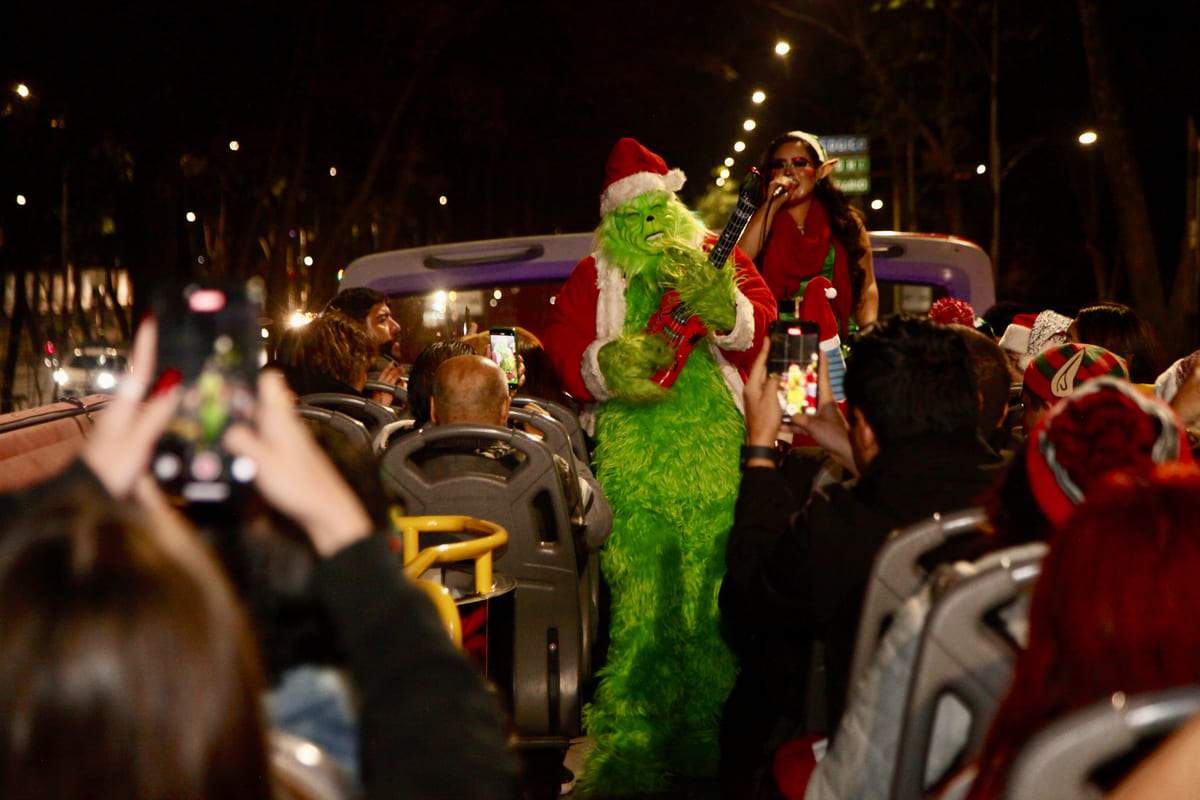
(728, 239)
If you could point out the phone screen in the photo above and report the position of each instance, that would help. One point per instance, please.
(210, 344)
(793, 357)
(504, 353)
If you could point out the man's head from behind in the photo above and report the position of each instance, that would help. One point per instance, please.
(469, 389)
(907, 377)
(991, 377)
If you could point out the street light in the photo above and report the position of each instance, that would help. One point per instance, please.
(234, 145)
(748, 125)
(981, 169)
(739, 147)
(876, 204)
(191, 216)
(20, 199)
(1088, 138)
(23, 91)
(443, 200)
(782, 48)
(758, 96)
(729, 162)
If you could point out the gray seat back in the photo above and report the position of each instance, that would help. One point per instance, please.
(897, 575)
(1057, 762)
(352, 429)
(961, 654)
(568, 418)
(358, 407)
(528, 501)
(399, 396)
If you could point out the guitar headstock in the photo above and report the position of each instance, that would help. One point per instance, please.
(750, 194)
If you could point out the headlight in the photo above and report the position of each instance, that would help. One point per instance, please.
(60, 376)
(105, 381)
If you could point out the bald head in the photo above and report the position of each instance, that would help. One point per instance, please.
(469, 389)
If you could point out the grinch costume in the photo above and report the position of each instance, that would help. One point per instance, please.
(667, 459)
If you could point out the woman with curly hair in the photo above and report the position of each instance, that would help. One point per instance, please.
(819, 233)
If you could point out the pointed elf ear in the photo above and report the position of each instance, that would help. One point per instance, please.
(826, 168)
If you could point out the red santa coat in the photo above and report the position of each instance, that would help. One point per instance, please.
(589, 313)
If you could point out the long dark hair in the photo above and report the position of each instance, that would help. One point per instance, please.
(127, 668)
(844, 222)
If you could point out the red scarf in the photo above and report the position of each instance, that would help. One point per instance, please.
(792, 257)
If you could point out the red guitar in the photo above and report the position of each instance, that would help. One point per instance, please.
(674, 320)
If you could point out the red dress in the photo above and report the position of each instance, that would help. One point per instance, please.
(791, 256)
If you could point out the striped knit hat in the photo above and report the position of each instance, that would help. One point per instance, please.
(1055, 372)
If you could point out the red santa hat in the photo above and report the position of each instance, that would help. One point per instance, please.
(815, 307)
(632, 170)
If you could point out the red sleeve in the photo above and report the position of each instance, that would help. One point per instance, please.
(762, 304)
(573, 327)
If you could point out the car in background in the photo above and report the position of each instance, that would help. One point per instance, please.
(448, 290)
(91, 369)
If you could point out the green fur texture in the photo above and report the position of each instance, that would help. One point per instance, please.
(628, 362)
(708, 291)
(670, 472)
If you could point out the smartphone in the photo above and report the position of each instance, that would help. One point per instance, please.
(793, 357)
(503, 344)
(210, 343)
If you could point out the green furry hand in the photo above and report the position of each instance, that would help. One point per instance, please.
(708, 291)
(627, 364)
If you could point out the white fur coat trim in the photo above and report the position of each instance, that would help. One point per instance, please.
(610, 324)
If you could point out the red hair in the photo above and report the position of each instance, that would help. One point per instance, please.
(1114, 609)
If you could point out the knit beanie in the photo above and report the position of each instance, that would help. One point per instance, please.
(1054, 373)
(1105, 425)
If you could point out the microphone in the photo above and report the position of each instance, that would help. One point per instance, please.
(779, 192)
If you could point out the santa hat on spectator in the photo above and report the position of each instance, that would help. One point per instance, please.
(952, 311)
(1055, 372)
(1029, 334)
(631, 171)
(1106, 425)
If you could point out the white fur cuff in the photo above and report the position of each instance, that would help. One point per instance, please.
(742, 335)
(589, 369)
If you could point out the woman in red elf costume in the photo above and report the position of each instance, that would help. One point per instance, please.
(818, 232)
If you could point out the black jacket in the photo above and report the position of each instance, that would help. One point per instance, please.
(795, 576)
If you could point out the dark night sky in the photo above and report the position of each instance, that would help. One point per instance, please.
(517, 103)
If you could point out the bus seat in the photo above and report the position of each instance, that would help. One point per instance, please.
(399, 396)
(352, 429)
(960, 654)
(372, 414)
(897, 575)
(437, 471)
(566, 416)
(1058, 762)
(384, 435)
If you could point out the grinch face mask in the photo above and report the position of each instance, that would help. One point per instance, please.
(641, 224)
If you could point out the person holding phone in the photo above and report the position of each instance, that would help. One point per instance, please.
(807, 228)
(795, 572)
(418, 692)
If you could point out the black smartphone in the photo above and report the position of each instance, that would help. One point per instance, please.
(793, 357)
(503, 346)
(210, 342)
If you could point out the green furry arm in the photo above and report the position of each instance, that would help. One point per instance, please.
(708, 291)
(627, 364)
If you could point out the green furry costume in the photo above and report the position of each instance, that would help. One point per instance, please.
(668, 462)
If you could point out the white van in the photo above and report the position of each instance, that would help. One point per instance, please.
(443, 290)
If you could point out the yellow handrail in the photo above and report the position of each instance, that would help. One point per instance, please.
(446, 608)
(416, 561)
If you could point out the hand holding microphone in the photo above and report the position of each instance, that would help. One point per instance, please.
(784, 185)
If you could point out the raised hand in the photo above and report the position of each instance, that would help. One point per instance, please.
(628, 362)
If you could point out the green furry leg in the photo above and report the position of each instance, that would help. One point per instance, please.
(629, 722)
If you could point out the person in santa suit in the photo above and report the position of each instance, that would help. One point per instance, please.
(667, 458)
(808, 228)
